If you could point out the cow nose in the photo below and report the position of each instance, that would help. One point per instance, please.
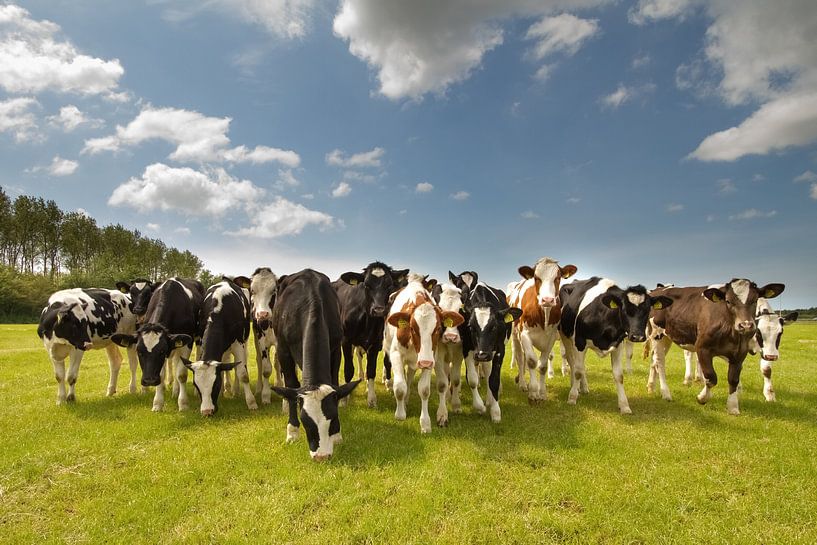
(638, 338)
(150, 381)
(481, 355)
(318, 457)
(747, 326)
(547, 301)
(207, 412)
(768, 357)
(379, 311)
(451, 337)
(261, 315)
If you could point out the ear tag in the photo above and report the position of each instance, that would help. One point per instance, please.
(59, 318)
(658, 305)
(508, 318)
(717, 298)
(353, 282)
(123, 290)
(613, 304)
(448, 322)
(769, 294)
(179, 343)
(402, 324)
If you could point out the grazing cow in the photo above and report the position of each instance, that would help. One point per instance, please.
(140, 291)
(411, 335)
(171, 325)
(599, 315)
(76, 320)
(490, 321)
(306, 320)
(263, 290)
(767, 341)
(225, 315)
(364, 299)
(711, 321)
(538, 297)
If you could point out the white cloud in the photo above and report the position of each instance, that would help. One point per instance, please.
(674, 207)
(153, 227)
(573, 200)
(807, 176)
(624, 94)
(17, 118)
(543, 72)
(281, 218)
(726, 186)
(564, 33)
(355, 176)
(198, 138)
(758, 178)
(424, 187)
(284, 19)
(342, 190)
(529, 215)
(753, 213)
(62, 167)
(425, 47)
(182, 230)
(308, 196)
(653, 10)
(185, 190)
(366, 159)
(71, 117)
(33, 59)
(813, 193)
(286, 179)
(640, 61)
(460, 195)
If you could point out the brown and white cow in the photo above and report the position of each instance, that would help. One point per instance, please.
(711, 321)
(538, 297)
(413, 330)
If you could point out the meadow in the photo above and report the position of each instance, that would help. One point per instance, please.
(109, 470)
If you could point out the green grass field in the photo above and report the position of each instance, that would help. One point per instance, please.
(110, 470)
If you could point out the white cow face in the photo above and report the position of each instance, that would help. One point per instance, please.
(450, 300)
(769, 332)
(207, 378)
(547, 275)
(263, 289)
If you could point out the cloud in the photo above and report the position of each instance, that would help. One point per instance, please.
(342, 190)
(640, 61)
(460, 195)
(529, 215)
(807, 176)
(673, 208)
(182, 230)
(758, 178)
(286, 179)
(564, 33)
(198, 138)
(282, 218)
(71, 117)
(425, 47)
(153, 227)
(753, 213)
(33, 59)
(813, 193)
(647, 11)
(366, 159)
(573, 200)
(423, 187)
(543, 72)
(726, 186)
(62, 167)
(17, 118)
(624, 94)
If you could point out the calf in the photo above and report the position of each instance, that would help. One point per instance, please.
(767, 341)
(538, 297)
(599, 315)
(140, 291)
(306, 321)
(490, 320)
(413, 330)
(711, 321)
(263, 290)
(364, 299)
(225, 314)
(171, 325)
(449, 353)
(76, 320)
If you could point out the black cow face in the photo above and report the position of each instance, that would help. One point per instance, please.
(208, 380)
(379, 282)
(488, 329)
(318, 409)
(634, 308)
(740, 299)
(140, 291)
(153, 346)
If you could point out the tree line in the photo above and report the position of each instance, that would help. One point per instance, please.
(44, 248)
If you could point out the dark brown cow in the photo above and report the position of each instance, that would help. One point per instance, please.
(711, 321)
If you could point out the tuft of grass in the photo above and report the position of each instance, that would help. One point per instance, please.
(109, 470)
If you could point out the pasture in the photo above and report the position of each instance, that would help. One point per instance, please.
(109, 470)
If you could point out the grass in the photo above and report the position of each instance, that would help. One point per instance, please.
(109, 470)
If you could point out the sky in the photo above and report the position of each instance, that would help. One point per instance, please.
(649, 141)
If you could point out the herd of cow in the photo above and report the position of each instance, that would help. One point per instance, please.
(303, 320)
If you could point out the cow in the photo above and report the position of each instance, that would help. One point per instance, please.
(169, 330)
(767, 341)
(599, 315)
(711, 321)
(538, 297)
(364, 300)
(411, 335)
(449, 354)
(225, 314)
(263, 290)
(306, 321)
(140, 291)
(80, 319)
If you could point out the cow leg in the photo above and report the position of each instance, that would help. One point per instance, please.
(387, 380)
(441, 370)
(699, 374)
(227, 384)
(371, 374)
(576, 359)
(159, 394)
(456, 383)
(133, 363)
(618, 378)
(75, 358)
(659, 354)
(424, 389)
(628, 356)
(59, 374)
(494, 372)
(348, 361)
(565, 366)
(400, 388)
(768, 389)
(266, 373)
(710, 377)
(691, 366)
(259, 363)
(360, 354)
(529, 360)
(181, 375)
(115, 363)
(733, 377)
(472, 377)
(290, 375)
(239, 351)
(516, 348)
(545, 368)
(171, 375)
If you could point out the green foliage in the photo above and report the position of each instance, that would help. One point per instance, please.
(109, 470)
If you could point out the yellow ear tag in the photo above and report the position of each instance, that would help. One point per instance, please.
(179, 344)
(402, 324)
(448, 322)
(59, 317)
(123, 290)
(353, 282)
(613, 304)
(769, 294)
(658, 305)
(716, 298)
(508, 318)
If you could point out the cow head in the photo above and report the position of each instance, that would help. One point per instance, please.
(263, 289)
(634, 306)
(488, 325)
(739, 298)
(378, 281)
(153, 346)
(208, 380)
(547, 275)
(769, 330)
(140, 291)
(65, 324)
(318, 408)
(420, 323)
(449, 298)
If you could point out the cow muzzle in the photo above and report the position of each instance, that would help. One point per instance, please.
(451, 337)
(261, 315)
(378, 312)
(482, 356)
(151, 381)
(747, 326)
(769, 357)
(548, 301)
(425, 364)
(637, 338)
(320, 456)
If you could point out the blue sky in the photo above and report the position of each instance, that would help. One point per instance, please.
(647, 141)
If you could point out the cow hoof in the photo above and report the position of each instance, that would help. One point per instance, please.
(456, 409)
(292, 434)
(479, 409)
(110, 393)
(533, 400)
(252, 405)
(60, 400)
(701, 400)
(70, 398)
(442, 421)
(372, 403)
(650, 389)
(523, 386)
(733, 412)
(770, 398)
(157, 408)
(266, 399)
(687, 382)
(626, 410)
(551, 374)
(183, 407)
(572, 400)
(400, 416)
(667, 397)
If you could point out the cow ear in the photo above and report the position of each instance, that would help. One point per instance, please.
(716, 295)
(287, 393)
(568, 271)
(661, 302)
(511, 314)
(526, 272)
(242, 282)
(346, 389)
(224, 366)
(124, 287)
(180, 339)
(352, 278)
(399, 320)
(452, 277)
(610, 301)
(791, 317)
(123, 340)
(399, 276)
(429, 283)
(187, 363)
(770, 291)
(452, 319)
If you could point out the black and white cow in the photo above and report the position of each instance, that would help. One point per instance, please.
(76, 320)
(306, 320)
(263, 290)
(489, 323)
(225, 315)
(140, 291)
(598, 315)
(364, 300)
(171, 325)
(767, 341)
